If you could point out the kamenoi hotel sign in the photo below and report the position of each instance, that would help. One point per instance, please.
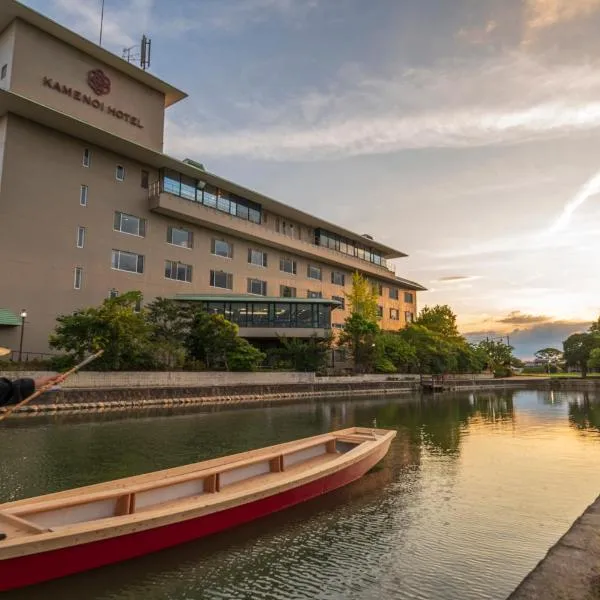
(100, 85)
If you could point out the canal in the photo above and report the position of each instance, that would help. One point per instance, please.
(475, 489)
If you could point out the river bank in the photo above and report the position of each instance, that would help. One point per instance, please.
(571, 569)
(92, 391)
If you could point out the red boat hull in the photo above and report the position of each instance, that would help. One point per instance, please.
(36, 568)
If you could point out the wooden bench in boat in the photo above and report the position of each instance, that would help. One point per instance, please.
(170, 488)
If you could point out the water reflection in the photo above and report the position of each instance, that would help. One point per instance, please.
(474, 490)
(584, 411)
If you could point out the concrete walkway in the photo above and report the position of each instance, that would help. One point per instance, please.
(571, 569)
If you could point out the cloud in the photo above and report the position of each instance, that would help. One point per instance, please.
(542, 14)
(518, 318)
(507, 100)
(455, 278)
(589, 189)
(477, 35)
(231, 16)
(527, 341)
(84, 17)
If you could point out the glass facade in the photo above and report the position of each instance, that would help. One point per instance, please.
(273, 314)
(345, 246)
(194, 190)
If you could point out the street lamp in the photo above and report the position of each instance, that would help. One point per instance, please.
(23, 317)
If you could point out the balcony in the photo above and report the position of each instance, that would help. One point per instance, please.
(168, 204)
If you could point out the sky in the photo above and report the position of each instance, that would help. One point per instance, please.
(465, 133)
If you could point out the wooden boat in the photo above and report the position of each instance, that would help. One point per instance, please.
(59, 534)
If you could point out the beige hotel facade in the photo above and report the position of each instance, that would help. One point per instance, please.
(90, 206)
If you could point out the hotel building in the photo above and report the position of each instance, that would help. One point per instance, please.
(90, 206)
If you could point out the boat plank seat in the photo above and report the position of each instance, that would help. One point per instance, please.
(129, 499)
(241, 486)
(14, 526)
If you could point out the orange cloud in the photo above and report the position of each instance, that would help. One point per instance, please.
(546, 13)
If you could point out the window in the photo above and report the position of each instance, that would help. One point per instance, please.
(338, 278)
(130, 224)
(257, 287)
(120, 173)
(113, 293)
(78, 278)
(314, 294)
(83, 195)
(87, 157)
(378, 289)
(409, 298)
(145, 179)
(285, 291)
(409, 317)
(178, 271)
(314, 272)
(138, 306)
(337, 325)
(394, 293)
(380, 312)
(4, 72)
(394, 314)
(287, 265)
(80, 237)
(127, 261)
(341, 300)
(222, 248)
(180, 237)
(257, 257)
(220, 279)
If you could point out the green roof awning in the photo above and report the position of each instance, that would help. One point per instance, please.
(250, 298)
(9, 318)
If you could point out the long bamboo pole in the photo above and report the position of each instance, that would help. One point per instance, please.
(45, 388)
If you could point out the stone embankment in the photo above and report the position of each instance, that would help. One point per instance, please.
(571, 569)
(95, 391)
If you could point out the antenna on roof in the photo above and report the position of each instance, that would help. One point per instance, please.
(146, 51)
(131, 55)
(101, 22)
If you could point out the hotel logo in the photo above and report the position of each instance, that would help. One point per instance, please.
(99, 82)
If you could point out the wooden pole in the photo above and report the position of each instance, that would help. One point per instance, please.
(45, 388)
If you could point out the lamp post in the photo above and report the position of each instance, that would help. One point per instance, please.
(23, 317)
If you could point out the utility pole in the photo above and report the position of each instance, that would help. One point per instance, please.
(101, 22)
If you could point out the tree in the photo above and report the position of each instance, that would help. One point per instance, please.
(244, 356)
(114, 326)
(214, 341)
(577, 349)
(304, 355)
(360, 335)
(362, 300)
(439, 319)
(498, 355)
(550, 356)
(211, 339)
(434, 353)
(394, 354)
(594, 360)
(170, 323)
